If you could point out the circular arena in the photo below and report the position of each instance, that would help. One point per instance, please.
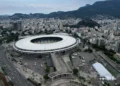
(45, 44)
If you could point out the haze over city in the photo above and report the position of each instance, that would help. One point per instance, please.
(41, 6)
(59, 42)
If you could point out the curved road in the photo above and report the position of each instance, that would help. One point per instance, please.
(12, 72)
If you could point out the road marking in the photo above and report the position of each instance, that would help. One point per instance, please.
(14, 75)
(10, 69)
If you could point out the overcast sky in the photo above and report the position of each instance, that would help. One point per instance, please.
(41, 6)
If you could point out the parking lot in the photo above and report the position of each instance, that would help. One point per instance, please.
(34, 62)
(87, 56)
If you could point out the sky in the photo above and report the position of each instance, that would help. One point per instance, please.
(9, 7)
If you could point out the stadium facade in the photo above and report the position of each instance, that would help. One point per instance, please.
(45, 44)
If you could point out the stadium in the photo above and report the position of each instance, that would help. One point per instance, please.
(45, 44)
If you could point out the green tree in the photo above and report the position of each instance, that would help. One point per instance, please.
(75, 71)
(46, 77)
(47, 69)
(11, 83)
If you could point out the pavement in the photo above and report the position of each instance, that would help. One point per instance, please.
(58, 63)
(87, 56)
(61, 82)
(12, 72)
(29, 73)
(35, 63)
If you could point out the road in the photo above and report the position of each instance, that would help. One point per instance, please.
(112, 63)
(12, 72)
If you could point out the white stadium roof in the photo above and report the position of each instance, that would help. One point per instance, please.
(103, 72)
(25, 45)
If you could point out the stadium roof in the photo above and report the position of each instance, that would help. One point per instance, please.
(26, 45)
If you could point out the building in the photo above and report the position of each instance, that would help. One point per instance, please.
(17, 25)
(118, 46)
(45, 44)
(103, 72)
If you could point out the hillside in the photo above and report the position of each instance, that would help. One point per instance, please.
(85, 23)
(107, 8)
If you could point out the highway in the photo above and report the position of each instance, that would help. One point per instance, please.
(16, 77)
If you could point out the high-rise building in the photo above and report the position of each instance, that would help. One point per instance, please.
(17, 25)
(1, 27)
(118, 46)
(60, 26)
(100, 42)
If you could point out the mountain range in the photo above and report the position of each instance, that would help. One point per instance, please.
(107, 8)
(84, 23)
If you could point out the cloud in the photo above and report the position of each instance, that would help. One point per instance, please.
(40, 6)
(43, 8)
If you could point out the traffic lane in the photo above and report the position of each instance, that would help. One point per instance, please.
(13, 76)
(17, 75)
(19, 79)
(10, 74)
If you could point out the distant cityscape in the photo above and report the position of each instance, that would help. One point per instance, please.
(60, 50)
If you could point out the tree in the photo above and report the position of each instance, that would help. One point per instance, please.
(75, 71)
(46, 77)
(11, 83)
(88, 50)
(47, 69)
(54, 69)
